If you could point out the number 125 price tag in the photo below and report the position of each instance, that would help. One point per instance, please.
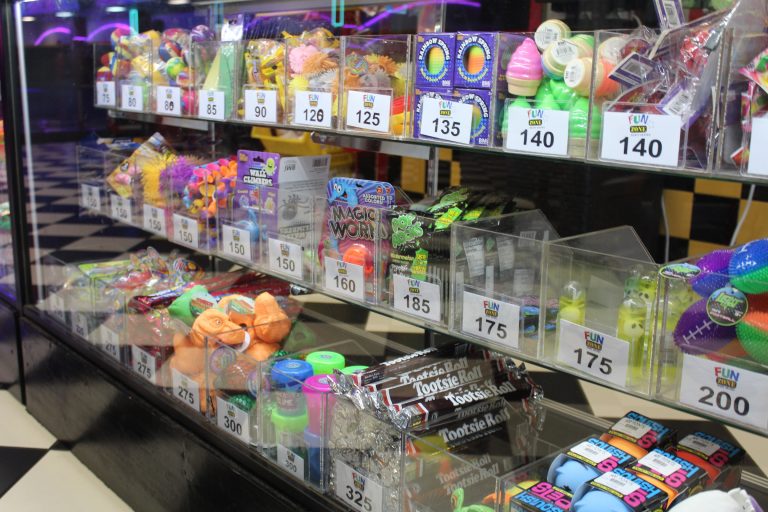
(446, 120)
(368, 111)
(602, 356)
(418, 298)
(650, 139)
(490, 319)
(533, 130)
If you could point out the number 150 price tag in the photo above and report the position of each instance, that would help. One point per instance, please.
(446, 120)
(650, 139)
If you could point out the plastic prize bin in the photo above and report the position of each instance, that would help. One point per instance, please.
(376, 74)
(496, 266)
(54, 289)
(605, 285)
(215, 78)
(91, 165)
(711, 348)
(313, 75)
(261, 99)
(172, 91)
(107, 69)
(136, 63)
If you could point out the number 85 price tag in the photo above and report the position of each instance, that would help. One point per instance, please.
(446, 120)
(650, 139)
(211, 105)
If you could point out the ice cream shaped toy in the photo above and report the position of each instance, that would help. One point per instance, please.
(524, 70)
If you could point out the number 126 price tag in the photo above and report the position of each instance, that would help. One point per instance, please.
(490, 319)
(533, 130)
(446, 120)
(313, 108)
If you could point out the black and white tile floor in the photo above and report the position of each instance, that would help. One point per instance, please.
(30, 458)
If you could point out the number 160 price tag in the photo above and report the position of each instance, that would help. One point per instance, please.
(650, 139)
(345, 278)
(446, 120)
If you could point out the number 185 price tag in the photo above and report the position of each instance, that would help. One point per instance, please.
(418, 298)
(368, 111)
(534, 130)
(490, 319)
(446, 120)
(650, 139)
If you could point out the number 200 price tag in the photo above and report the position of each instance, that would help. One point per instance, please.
(368, 111)
(446, 120)
(602, 356)
(533, 130)
(357, 491)
(650, 139)
(417, 298)
(490, 319)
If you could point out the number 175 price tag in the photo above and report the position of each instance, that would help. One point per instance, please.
(446, 120)
(602, 356)
(534, 130)
(490, 319)
(650, 139)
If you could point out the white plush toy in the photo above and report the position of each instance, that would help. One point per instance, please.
(736, 500)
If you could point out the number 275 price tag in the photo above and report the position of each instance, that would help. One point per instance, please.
(602, 356)
(446, 120)
(417, 298)
(650, 139)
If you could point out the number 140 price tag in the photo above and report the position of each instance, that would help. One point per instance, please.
(490, 319)
(602, 356)
(417, 297)
(650, 139)
(533, 130)
(446, 120)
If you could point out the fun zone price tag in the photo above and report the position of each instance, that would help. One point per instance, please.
(80, 325)
(154, 219)
(417, 298)
(105, 94)
(110, 343)
(185, 231)
(602, 356)
(168, 100)
(290, 461)
(650, 139)
(490, 319)
(143, 363)
(758, 149)
(724, 390)
(132, 98)
(446, 120)
(534, 130)
(313, 108)
(236, 242)
(90, 197)
(185, 389)
(120, 208)
(233, 420)
(211, 105)
(260, 106)
(357, 491)
(286, 258)
(369, 111)
(345, 278)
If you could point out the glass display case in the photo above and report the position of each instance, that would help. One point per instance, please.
(242, 212)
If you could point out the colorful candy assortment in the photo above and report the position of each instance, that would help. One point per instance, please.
(313, 65)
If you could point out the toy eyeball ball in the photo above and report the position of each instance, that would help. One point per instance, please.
(736, 500)
(358, 254)
(599, 501)
(570, 474)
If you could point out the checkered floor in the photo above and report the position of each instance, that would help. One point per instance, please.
(30, 454)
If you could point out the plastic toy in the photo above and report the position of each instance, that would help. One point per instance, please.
(524, 70)
(435, 60)
(573, 303)
(748, 267)
(696, 333)
(752, 330)
(598, 501)
(549, 32)
(475, 54)
(735, 500)
(714, 272)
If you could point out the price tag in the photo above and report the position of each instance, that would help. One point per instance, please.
(723, 390)
(591, 452)
(618, 483)
(80, 325)
(105, 94)
(90, 197)
(57, 307)
(535, 130)
(185, 389)
(143, 363)
(357, 491)
(369, 111)
(602, 356)
(185, 231)
(236, 242)
(660, 464)
(650, 139)
(286, 258)
(418, 298)
(211, 105)
(758, 149)
(110, 343)
(233, 420)
(260, 106)
(120, 208)
(446, 120)
(313, 109)
(132, 98)
(154, 219)
(289, 461)
(345, 278)
(168, 100)
(490, 319)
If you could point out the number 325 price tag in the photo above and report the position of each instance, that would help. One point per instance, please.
(446, 120)
(368, 111)
(417, 298)
(602, 356)
(533, 130)
(650, 139)
(357, 491)
(490, 319)
(723, 390)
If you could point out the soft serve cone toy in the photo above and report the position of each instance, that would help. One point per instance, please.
(524, 70)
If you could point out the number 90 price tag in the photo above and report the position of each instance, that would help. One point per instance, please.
(417, 298)
(357, 491)
(650, 139)
(260, 106)
(490, 319)
(592, 352)
(446, 120)
(535, 130)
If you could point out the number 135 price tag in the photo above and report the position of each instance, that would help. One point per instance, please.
(368, 111)
(650, 139)
(417, 297)
(446, 120)
(602, 356)
(490, 319)
(533, 130)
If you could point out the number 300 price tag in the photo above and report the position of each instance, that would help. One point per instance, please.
(417, 298)
(368, 111)
(602, 356)
(446, 120)
(233, 420)
(650, 139)
(490, 319)
(357, 491)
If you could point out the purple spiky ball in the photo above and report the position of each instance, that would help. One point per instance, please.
(714, 272)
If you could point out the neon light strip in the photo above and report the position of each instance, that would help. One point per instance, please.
(51, 31)
(107, 26)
